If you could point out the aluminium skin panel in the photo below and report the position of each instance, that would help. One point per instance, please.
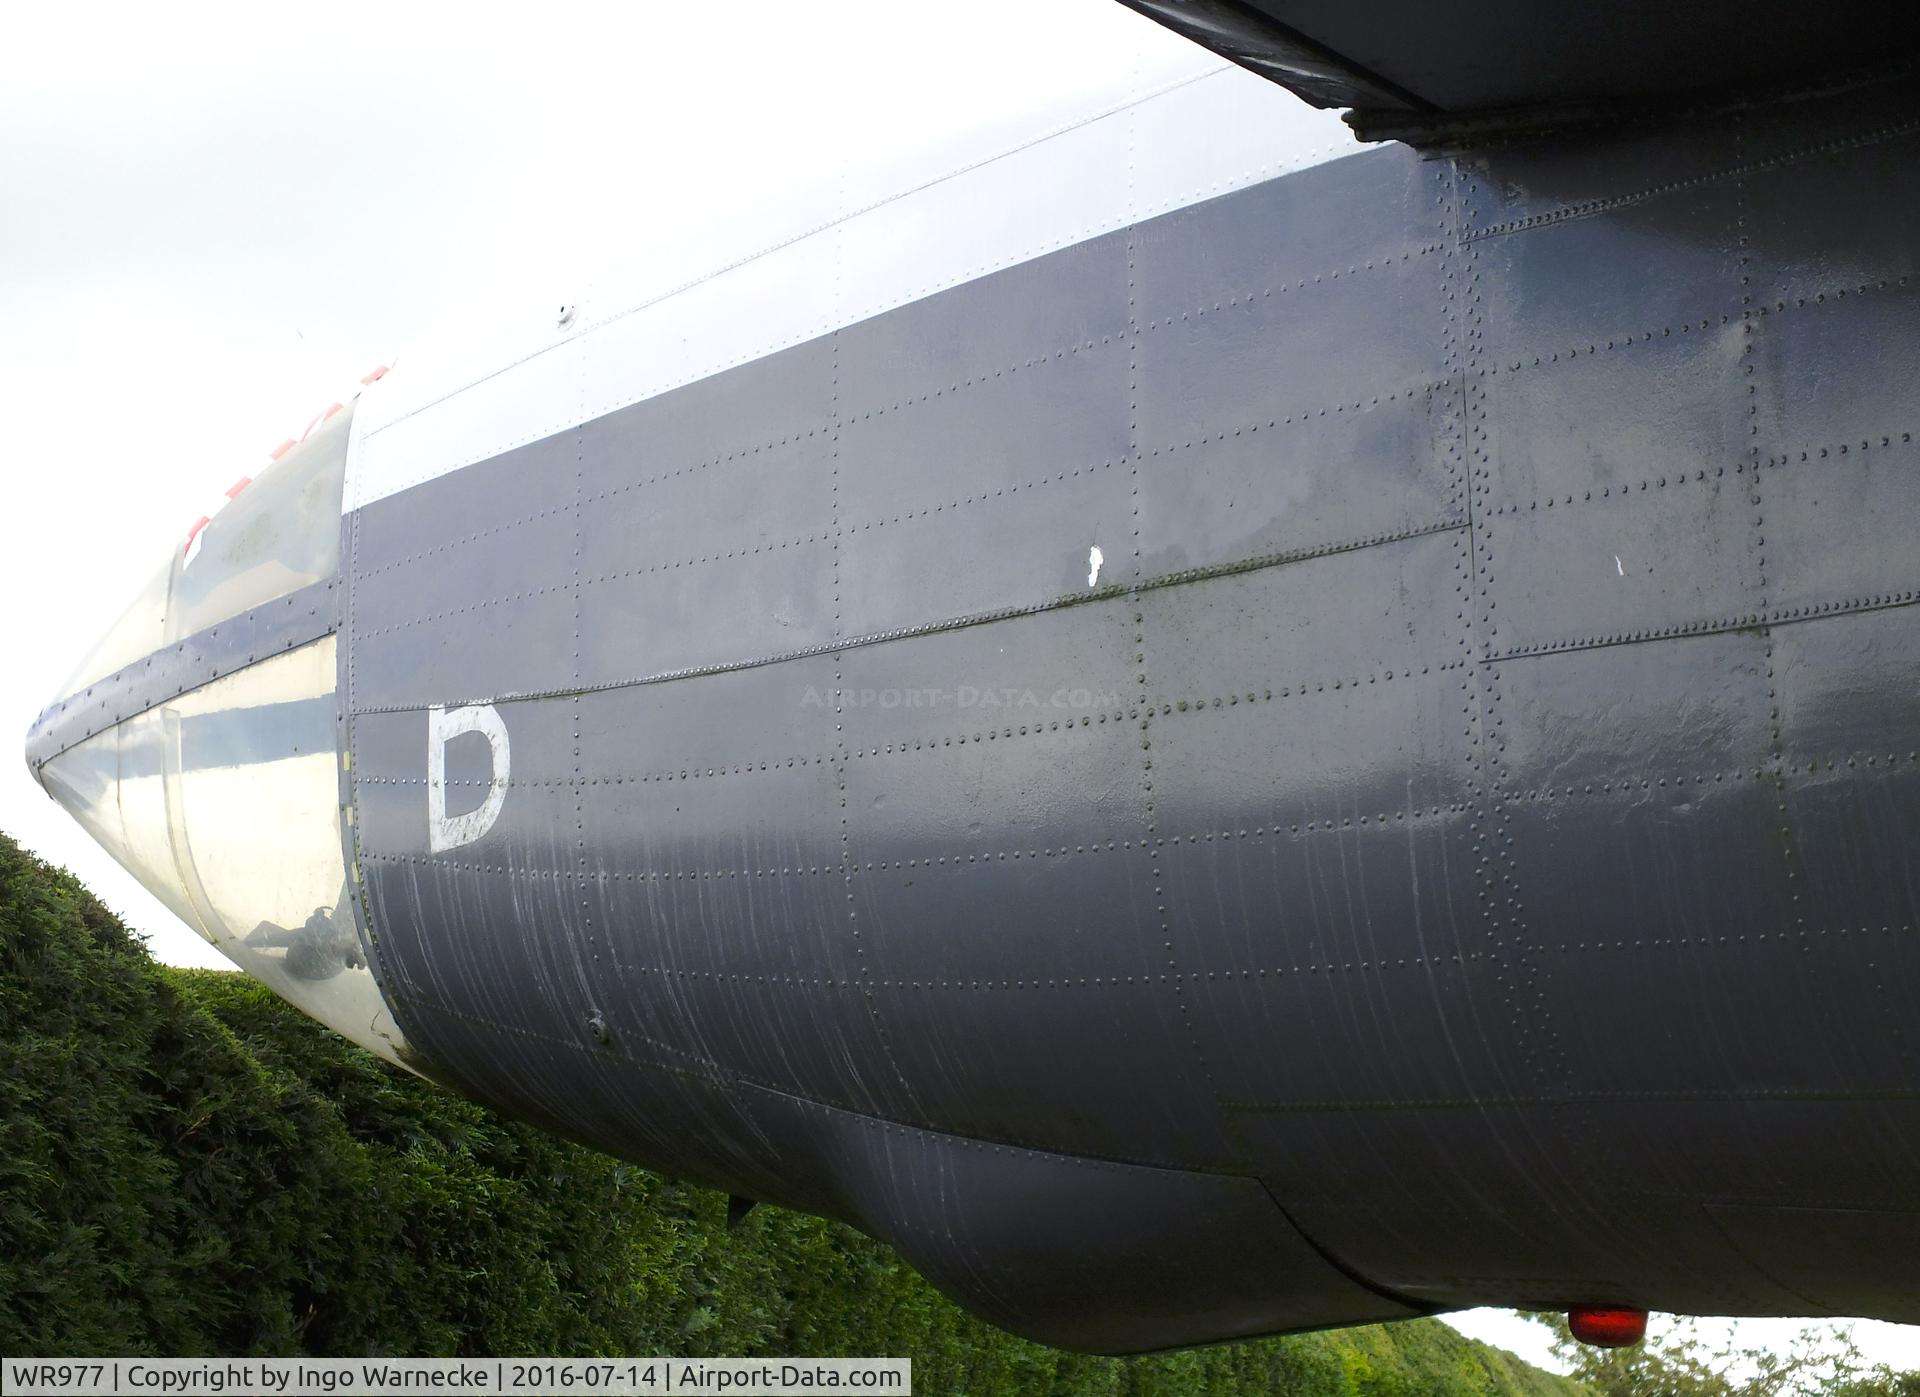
(1453, 848)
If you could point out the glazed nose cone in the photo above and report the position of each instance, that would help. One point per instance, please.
(198, 745)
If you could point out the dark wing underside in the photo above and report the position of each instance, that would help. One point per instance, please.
(1430, 69)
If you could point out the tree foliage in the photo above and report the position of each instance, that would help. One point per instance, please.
(188, 1166)
(1677, 1360)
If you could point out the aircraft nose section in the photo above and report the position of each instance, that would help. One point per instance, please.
(198, 746)
(112, 782)
(104, 689)
(225, 802)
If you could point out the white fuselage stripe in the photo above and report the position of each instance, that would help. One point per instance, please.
(1192, 130)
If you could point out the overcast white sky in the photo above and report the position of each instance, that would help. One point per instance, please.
(214, 217)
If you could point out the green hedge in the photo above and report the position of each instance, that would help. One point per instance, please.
(188, 1166)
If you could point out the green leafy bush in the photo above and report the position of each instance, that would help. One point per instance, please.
(188, 1166)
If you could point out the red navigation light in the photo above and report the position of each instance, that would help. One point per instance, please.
(1607, 1327)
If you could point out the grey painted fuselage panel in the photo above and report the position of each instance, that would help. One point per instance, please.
(1459, 847)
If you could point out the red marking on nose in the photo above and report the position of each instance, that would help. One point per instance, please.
(1607, 1326)
(322, 417)
(283, 448)
(242, 483)
(375, 376)
(194, 533)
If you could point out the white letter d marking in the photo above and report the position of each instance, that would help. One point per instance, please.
(443, 725)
